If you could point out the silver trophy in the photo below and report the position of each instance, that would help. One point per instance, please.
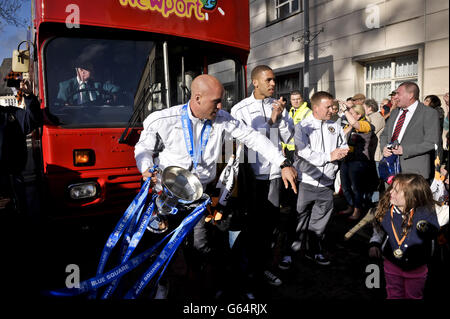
(179, 186)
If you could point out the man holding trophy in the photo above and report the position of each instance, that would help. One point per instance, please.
(191, 136)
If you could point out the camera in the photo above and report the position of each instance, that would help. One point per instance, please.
(393, 145)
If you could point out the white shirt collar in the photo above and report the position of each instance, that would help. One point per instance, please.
(412, 108)
(399, 211)
(80, 82)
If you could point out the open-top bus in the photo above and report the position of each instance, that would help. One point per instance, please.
(148, 51)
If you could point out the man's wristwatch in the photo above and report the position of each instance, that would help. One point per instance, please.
(286, 163)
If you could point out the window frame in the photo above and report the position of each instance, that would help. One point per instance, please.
(284, 93)
(393, 79)
(272, 15)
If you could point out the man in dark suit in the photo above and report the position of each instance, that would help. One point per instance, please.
(83, 89)
(416, 128)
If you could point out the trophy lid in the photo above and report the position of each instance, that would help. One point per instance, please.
(181, 183)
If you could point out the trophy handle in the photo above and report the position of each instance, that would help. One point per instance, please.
(158, 185)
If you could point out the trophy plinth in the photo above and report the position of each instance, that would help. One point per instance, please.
(179, 186)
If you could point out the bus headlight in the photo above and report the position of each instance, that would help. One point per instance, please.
(83, 190)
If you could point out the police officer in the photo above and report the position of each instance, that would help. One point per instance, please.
(299, 111)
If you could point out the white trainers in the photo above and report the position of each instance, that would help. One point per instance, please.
(285, 263)
(272, 279)
(319, 259)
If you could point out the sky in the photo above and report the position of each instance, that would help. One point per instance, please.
(11, 36)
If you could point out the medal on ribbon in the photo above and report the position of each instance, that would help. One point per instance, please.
(398, 253)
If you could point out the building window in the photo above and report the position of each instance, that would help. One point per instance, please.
(286, 83)
(383, 77)
(279, 9)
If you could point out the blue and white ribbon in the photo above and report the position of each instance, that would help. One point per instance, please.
(108, 277)
(163, 259)
(194, 152)
(127, 250)
(121, 226)
(168, 251)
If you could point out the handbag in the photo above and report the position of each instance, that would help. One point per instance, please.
(389, 167)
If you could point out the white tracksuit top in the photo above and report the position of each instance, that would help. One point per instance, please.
(314, 142)
(256, 113)
(162, 142)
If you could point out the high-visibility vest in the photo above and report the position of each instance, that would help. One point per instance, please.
(297, 115)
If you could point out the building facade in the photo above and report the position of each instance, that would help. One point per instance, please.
(357, 46)
(7, 97)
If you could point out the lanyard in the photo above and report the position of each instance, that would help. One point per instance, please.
(194, 152)
(399, 241)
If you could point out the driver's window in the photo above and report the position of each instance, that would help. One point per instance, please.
(90, 73)
(93, 81)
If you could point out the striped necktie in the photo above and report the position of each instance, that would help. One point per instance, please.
(84, 93)
(398, 126)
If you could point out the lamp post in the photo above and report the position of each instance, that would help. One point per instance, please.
(306, 42)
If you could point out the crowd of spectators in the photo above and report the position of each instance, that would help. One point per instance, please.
(369, 128)
(337, 149)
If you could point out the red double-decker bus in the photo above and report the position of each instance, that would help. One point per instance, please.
(141, 56)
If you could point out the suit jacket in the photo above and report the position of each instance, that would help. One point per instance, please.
(15, 124)
(67, 90)
(418, 142)
(377, 120)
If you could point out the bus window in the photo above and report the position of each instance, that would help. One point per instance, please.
(225, 71)
(183, 62)
(187, 62)
(92, 82)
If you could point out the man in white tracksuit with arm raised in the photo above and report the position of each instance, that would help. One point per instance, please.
(268, 116)
(319, 145)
